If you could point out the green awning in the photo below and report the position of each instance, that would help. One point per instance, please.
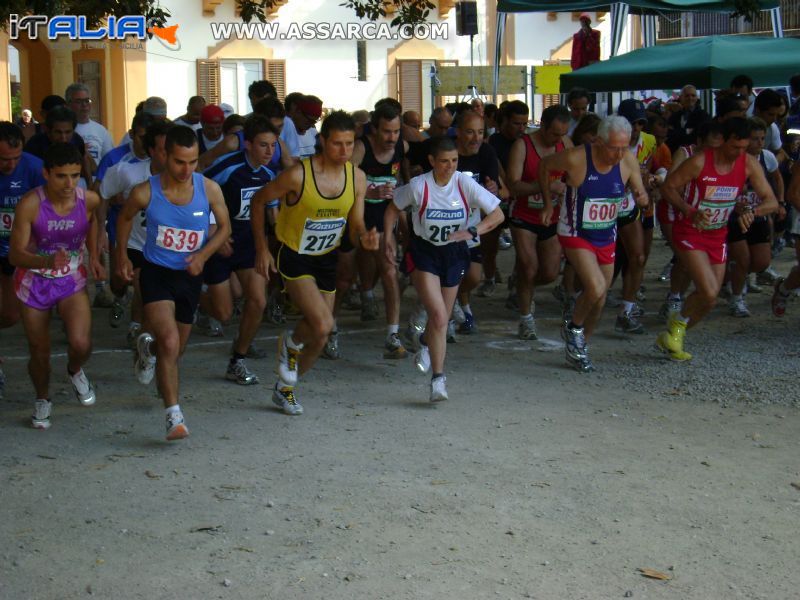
(707, 63)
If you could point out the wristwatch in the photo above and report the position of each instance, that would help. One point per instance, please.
(473, 231)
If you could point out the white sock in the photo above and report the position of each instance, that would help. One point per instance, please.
(627, 307)
(390, 329)
(466, 308)
(175, 408)
(528, 317)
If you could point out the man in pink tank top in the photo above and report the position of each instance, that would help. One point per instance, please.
(53, 226)
(715, 178)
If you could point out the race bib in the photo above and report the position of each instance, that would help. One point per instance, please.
(600, 213)
(536, 201)
(75, 261)
(179, 240)
(718, 213)
(321, 236)
(627, 205)
(6, 222)
(374, 181)
(440, 223)
(752, 198)
(244, 204)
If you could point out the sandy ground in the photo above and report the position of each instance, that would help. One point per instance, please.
(533, 481)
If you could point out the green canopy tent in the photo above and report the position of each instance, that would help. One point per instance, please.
(619, 14)
(707, 63)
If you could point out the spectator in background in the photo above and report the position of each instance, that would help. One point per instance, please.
(490, 118)
(96, 137)
(743, 84)
(210, 132)
(361, 118)
(682, 124)
(476, 104)
(411, 126)
(769, 107)
(192, 116)
(578, 101)
(585, 44)
(27, 124)
(304, 111)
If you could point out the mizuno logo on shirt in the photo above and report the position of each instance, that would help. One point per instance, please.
(444, 215)
(198, 214)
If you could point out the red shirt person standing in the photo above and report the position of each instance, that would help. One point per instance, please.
(585, 44)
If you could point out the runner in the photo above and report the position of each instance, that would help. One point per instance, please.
(751, 251)
(440, 201)
(597, 174)
(320, 197)
(120, 181)
(716, 177)
(630, 256)
(709, 135)
(52, 224)
(784, 288)
(538, 251)
(380, 154)
(240, 176)
(19, 173)
(177, 204)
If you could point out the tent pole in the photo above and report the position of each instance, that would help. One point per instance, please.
(498, 44)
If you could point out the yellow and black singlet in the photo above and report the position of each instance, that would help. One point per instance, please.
(315, 224)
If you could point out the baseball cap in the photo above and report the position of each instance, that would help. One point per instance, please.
(310, 108)
(632, 109)
(212, 113)
(227, 109)
(155, 106)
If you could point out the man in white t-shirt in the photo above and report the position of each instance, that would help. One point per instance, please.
(769, 107)
(304, 114)
(98, 140)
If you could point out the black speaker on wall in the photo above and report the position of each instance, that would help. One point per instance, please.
(466, 18)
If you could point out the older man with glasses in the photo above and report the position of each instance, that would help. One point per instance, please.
(98, 140)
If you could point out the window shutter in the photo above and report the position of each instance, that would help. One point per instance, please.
(275, 72)
(208, 80)
(409, 84)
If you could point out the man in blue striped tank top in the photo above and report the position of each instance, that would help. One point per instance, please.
(596, 176)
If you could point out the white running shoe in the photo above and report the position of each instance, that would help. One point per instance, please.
(238, 372)
(144, 363)
(287, 360)
(738, 308)
(527, 329)
(84, 390)
(439, 389)
(41, 414)
(458, 313)
(176, 426)
(285, 398)
(422, 360)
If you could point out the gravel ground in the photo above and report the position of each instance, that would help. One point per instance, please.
(533, 481)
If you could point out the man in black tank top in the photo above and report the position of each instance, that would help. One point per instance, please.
(380, 154)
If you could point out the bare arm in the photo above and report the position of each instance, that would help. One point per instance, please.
(516, 163)
(93, 205)
(216, 202)
(572, 162)
(760, 185)
(359, 236)
(678, 179)
(137, 201)
(230, 143)
(288, 182)
(18, 254)
(793, 193)
(634, 179)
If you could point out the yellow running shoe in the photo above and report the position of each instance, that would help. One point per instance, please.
(671, 341)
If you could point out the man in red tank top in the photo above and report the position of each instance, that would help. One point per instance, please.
(715, 178)
(537, 247)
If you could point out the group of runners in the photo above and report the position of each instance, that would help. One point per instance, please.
(376, 200)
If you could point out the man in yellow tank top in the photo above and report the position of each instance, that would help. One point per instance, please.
(319, 198)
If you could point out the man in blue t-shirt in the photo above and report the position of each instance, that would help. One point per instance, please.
(19, 173)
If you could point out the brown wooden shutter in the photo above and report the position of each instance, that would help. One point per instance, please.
(208, 80)
(409, 84)
(275, 73)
